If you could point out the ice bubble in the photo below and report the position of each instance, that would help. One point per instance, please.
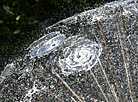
(46, 47)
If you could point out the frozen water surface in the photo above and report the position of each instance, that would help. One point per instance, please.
(81, 55)
(27, 80)
(47, 46)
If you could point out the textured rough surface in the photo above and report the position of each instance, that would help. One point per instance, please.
(18, 85)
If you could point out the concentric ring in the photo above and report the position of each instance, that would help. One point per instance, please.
(81, 55)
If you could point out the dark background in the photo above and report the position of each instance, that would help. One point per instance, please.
(20, 19)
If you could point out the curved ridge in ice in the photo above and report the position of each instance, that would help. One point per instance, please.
(114, 3)
(133, 40)
(6, 72)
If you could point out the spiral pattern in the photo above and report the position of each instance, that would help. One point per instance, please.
(81, 55)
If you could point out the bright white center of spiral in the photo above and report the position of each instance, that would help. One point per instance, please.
(81, 55)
